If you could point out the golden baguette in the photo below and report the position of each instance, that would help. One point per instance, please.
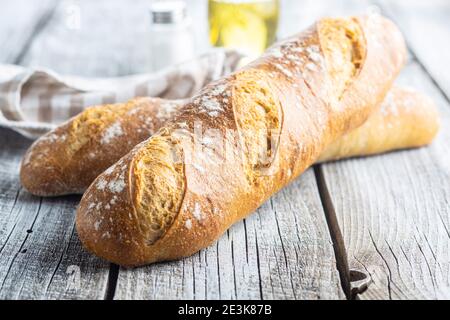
(166, 199)
(406, 119)
(67, 159)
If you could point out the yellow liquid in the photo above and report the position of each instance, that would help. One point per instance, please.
(247, 25)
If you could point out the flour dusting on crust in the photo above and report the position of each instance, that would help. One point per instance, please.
(115, 130)
(117, 186)
(101, 184)
(212, 99)
(197, 213)
(166, 110)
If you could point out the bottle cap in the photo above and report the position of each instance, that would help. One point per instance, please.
(168, 12)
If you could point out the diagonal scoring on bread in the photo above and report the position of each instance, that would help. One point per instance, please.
(344, 48)
(158, 184)
(258, 116)
(161, 207)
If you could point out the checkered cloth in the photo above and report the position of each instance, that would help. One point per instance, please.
(33, 101)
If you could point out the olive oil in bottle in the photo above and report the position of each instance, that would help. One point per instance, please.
(248, 25)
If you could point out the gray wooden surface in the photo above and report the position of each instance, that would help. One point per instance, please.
(283, 251)
(393, 211)
(377, 227)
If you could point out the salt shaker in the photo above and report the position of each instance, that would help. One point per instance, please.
(171, 39)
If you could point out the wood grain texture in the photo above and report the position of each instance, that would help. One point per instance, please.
(40, 254)
(283, 251)
(394, 212)
(427, 29)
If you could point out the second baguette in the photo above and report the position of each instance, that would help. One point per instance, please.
(67, 159)
(406, 119)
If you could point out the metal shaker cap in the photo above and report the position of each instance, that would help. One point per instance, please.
(168, 12)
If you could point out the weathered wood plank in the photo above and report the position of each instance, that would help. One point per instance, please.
(283, 251)
(40, 254)
(426, 28)
(394, 212)
(53, 264)
(20, 21)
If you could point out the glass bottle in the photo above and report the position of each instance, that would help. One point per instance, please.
(171, 38)
(247, 25)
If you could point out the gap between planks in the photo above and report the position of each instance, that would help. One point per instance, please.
(340, 253)
(347, 276)
(111, 284)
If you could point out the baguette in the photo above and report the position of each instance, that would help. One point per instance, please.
(406, 119)
(67, 159)
(178, 191)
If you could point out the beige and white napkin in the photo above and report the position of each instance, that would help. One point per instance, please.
(33, 101)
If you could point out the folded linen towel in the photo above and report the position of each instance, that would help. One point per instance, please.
(33, 101)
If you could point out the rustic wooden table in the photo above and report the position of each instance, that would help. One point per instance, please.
(371, 228)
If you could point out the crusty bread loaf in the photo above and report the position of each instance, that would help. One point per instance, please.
(67, 159)
(406, 119)
(239, 141)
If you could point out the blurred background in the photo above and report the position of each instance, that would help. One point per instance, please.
(120, 37)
